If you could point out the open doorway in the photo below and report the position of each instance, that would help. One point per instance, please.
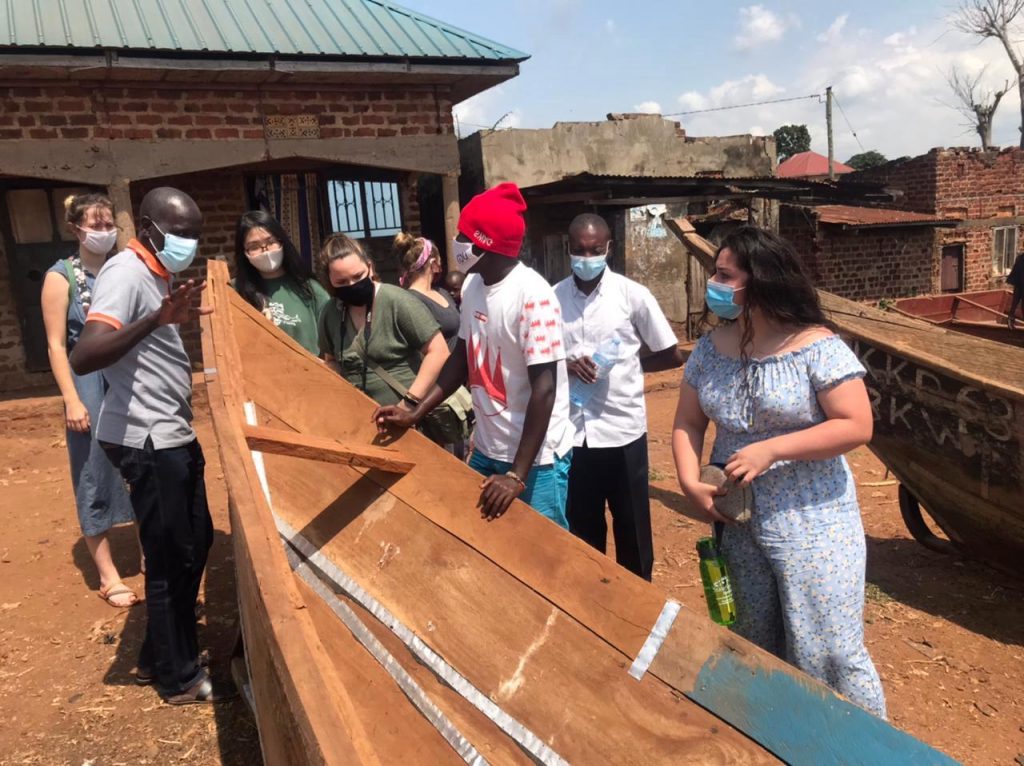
(34, 238)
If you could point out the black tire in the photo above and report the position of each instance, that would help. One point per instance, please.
(910, 510)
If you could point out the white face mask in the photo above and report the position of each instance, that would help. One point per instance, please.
(99, 242)
(267, 261)
(465, 258)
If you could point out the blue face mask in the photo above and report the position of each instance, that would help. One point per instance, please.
(719, 298)
(178, 252)
(587, 267)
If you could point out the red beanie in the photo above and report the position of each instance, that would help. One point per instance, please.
(494, 221)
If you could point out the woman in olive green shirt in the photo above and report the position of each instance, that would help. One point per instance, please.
(372, 326)
(272, 277)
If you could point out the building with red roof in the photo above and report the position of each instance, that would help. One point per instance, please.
(810, 165)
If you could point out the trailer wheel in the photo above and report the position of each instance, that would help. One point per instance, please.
(910, 510)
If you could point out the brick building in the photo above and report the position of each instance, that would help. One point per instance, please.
(329, 115)
(865, 253)
(965, 225)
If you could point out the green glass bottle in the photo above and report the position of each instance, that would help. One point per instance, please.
(717, 588)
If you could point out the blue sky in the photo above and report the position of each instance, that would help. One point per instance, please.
(887, 63)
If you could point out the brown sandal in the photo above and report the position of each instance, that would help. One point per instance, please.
(118, 589)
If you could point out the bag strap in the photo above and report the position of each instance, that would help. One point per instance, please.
(69, 272)
(359, 346)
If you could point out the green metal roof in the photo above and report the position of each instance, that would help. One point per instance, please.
(303, 28)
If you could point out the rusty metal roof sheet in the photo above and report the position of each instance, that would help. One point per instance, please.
(296, 28)
(863, 217)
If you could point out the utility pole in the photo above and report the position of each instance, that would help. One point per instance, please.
(828, 124)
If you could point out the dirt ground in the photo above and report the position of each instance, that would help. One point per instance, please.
(947, 635)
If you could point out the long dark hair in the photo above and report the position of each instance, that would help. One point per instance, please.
(248, 279)
(777, 283)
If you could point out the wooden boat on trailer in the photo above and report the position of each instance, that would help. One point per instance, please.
(949, 422)
(984, 313)
(385, 622)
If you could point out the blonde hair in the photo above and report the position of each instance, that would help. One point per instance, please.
(339, 246)
(407, 250)
(77, 206)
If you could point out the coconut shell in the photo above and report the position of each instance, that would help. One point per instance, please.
(738, 503)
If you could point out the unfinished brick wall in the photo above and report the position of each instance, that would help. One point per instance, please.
(82, 112)
(914, 179)
(863, 264)
(983, 189)
(206, 114)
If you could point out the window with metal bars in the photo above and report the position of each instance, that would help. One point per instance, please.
(1004, 249)
(364, 208)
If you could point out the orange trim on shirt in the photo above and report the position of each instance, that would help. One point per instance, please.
(95, 316)
(149, 259)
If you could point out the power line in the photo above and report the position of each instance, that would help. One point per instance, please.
(847, 120)
(743, 106)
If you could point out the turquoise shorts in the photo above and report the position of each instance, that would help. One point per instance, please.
(547, 486)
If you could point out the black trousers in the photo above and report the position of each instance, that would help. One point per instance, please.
(616, 476)
(168, 494)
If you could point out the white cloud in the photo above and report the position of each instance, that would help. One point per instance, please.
(753, 87)
(692, 100)
(648, 107)
(484, 110)
(834, 30)
(891, 85)
(759, 26)
(609, 26)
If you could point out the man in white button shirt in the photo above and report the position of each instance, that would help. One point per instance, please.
(609, 462)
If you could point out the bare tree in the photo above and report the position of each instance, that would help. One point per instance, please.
(997, 19)
(976, 103)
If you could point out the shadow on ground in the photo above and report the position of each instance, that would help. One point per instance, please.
(237, 736)
(966, 592)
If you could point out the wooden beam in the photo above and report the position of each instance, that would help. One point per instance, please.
(279, 442)
(699, 247)
(105, 162)
(450, 195)
(120, 195)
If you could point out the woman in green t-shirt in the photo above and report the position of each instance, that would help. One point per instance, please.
(272, 277)
(383, 340)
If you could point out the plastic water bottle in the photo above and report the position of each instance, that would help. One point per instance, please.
(605, 358)
(715, 576)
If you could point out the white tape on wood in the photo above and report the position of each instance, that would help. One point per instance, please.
(314, 567)
(655, 639)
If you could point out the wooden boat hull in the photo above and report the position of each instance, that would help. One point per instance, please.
(386, 622)
(957, 446)
(982, 314)
(949, 419)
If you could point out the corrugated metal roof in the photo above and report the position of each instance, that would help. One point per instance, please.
(851, 215)
(306, 28)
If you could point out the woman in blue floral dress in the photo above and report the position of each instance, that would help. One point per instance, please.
(787, 398)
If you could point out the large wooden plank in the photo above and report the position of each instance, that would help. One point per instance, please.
(280, 442)
(396, 727)
(304, 713)
(615, 607)
(544, 668)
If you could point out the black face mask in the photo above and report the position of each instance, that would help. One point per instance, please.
(357, 294)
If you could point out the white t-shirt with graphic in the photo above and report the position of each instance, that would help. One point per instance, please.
(508, 327)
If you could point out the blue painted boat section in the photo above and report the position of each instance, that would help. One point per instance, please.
(801, 724)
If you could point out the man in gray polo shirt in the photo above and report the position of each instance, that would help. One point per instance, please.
(145, 425)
